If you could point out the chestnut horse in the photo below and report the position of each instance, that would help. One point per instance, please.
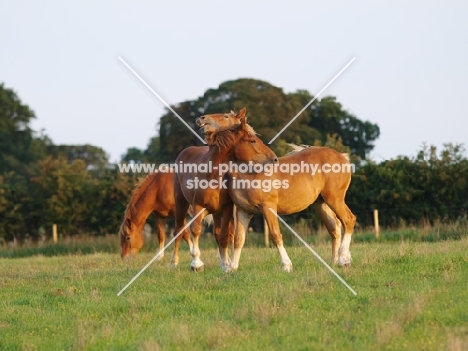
(206, 189)
(325, 191)
(154, 194)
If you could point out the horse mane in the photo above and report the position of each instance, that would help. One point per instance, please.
(226, 138)
(297, 148)
(130, 210)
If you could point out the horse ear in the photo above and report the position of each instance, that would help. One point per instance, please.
(242, 113)
(243, 121)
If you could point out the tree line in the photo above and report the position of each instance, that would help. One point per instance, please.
(431, 186)
(77, 188)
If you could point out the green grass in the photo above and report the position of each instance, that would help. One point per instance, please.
(411, 296)
(425, 232)
(79, 245)
(86, 244)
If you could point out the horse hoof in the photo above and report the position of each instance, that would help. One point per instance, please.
(197, 269)
(229, 268)
(344, 261)
(287, 267)
(226, 269)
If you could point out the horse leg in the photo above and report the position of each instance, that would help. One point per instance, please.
(186, 236)
(234, 223)
(333, 225)
(180, 212)
(161, 225)
(216, 230)
(195, 229)
(275, 233)
(337, 204)
(226, 234)
(242, 223)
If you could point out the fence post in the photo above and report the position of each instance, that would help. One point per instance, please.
(266, 233)
(376, 223)
(54, 233)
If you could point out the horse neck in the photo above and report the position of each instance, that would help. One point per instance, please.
(217, 157)
(143, 207)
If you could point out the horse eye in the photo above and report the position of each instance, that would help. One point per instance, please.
(128, 238)
(253, 141)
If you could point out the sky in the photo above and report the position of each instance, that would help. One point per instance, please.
(410, 75)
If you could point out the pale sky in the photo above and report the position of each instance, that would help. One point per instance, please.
(410, 75)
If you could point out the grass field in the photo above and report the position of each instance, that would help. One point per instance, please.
(411, 296)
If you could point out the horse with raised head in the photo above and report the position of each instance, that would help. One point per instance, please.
(324, 191)
(238, 143)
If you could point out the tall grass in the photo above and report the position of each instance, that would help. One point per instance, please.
(85, 244)
(425, 232)
(79, 244)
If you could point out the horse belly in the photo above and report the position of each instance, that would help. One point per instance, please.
(246, 200)
(297, 197)
(210, 203)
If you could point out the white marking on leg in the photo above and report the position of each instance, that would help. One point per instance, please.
(234, 266)
(190, 244)
(160, 256)
(312, 250)
(285, 260)
(344, 253)
(197, 263)
(224, 259)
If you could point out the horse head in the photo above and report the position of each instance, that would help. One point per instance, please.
(131, 238)
(240, 139)
(217, 122)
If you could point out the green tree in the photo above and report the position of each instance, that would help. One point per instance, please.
(14, 200)
(329, 116)
(42, 183)
(269, 110)
(173, 134)
(18, 145)
(152, 153)
(68, 193)
(20, 149)
(94, 156)
(427, 187)
(114, 189)
(134, 154)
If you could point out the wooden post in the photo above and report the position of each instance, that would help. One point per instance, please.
(376, 223)
(54, 233)
(266, 233)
